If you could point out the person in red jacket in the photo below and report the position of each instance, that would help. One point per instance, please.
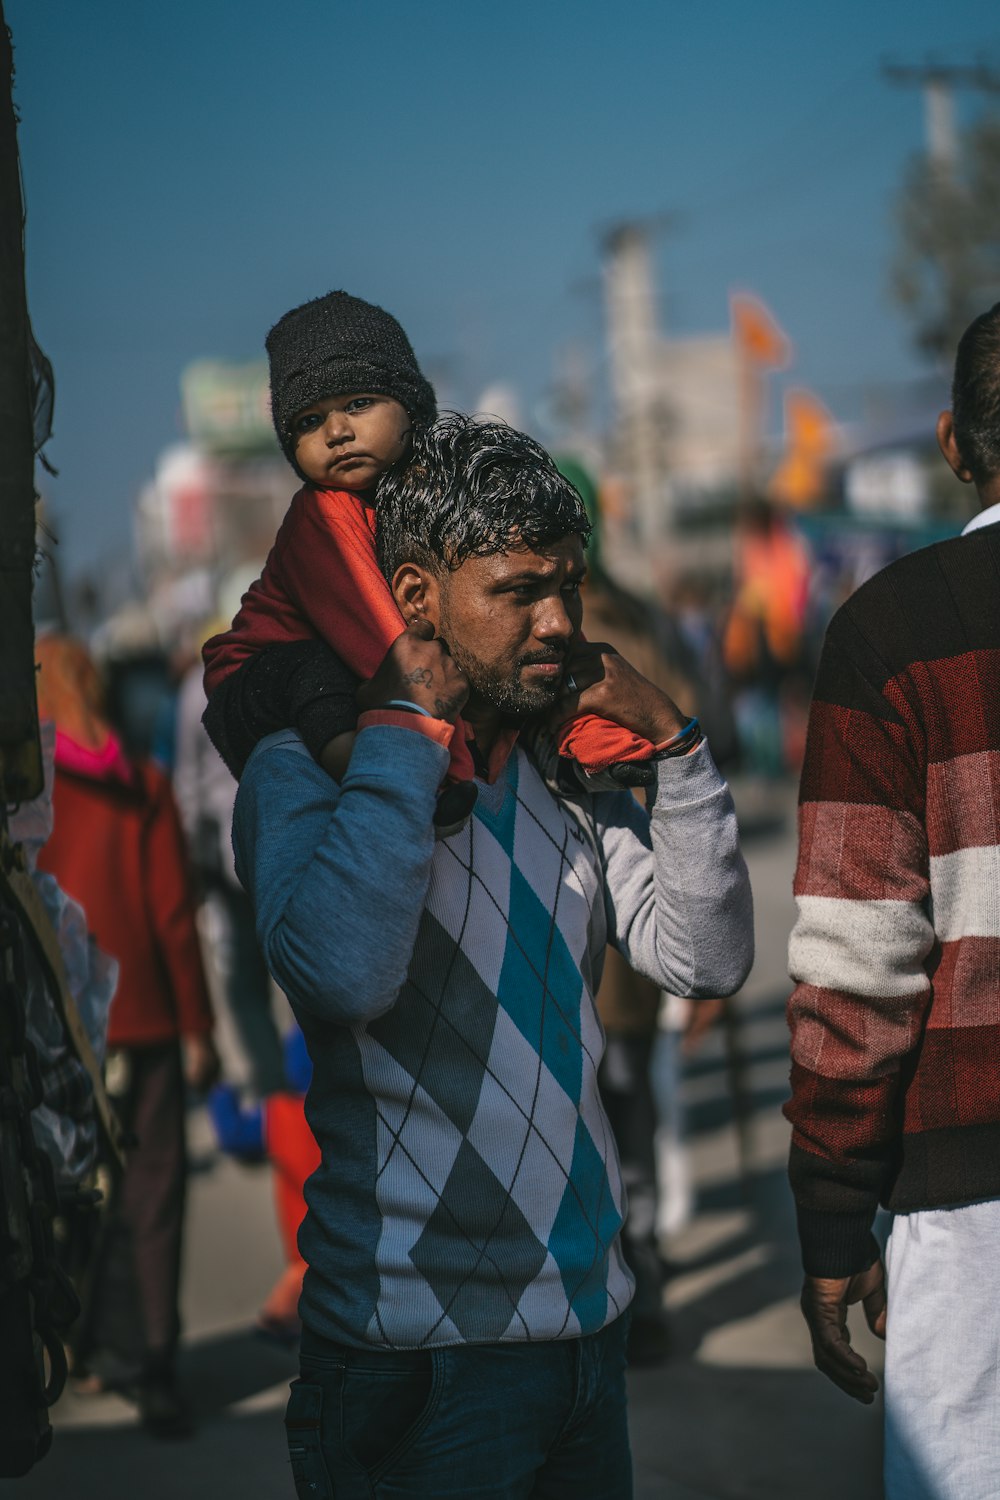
(118, 849)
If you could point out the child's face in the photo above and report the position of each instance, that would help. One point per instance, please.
(346, 442)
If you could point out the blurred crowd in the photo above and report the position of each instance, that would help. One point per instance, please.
(142, 812)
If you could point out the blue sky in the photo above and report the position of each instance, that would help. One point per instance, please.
(192, 170)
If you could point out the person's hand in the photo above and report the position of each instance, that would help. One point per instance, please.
(606, 685)
(201, 1062)
(824, 1305)
(702, 1016)
(418, 668)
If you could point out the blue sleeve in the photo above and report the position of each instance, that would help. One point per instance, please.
(338, 875)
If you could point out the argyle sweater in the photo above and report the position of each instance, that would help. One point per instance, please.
(469, 1189)
(895, 1017)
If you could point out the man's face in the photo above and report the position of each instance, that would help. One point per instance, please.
(510, 620)
(346, 442)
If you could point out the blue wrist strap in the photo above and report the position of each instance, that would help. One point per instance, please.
(682, 733)
(686, 738)
(413, 708)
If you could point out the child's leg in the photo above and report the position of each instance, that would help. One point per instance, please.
(336, 753)
(598, 744)
(300, 684)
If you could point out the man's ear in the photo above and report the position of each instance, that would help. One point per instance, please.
(949, 447)
(417, 593)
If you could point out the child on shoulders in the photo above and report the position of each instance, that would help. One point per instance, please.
(346, 394)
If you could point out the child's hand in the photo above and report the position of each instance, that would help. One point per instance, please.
(418, 669)
(600, 681)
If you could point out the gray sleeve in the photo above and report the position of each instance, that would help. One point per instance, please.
(338, 875)
(677, 892)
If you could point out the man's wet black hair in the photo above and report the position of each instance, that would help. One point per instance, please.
(975, 396)
(471, 489)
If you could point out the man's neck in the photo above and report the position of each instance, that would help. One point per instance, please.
(485, 722)
(989, 492)
(493, 739)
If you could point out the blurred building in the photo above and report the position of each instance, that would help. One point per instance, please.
(689, 440)
(676, 430)
(892, 470)
(206, 519)
(684, 432)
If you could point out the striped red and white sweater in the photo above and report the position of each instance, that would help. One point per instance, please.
(895, 1017)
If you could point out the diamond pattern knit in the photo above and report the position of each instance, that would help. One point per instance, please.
(469, 1188)
(497, 1177)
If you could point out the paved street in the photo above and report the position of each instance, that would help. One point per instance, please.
(740, 1413)
(736, 1414)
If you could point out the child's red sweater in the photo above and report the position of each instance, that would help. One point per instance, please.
(322, 581)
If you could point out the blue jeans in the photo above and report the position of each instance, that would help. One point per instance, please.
(496, 1421)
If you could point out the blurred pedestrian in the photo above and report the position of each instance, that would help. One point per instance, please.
(683, 1025)
(276, 1128)
(465, 1303)
(687, 624)
(895, 1016)
(117, 848)
(764, 635)
(629, 1004)
(205, 792)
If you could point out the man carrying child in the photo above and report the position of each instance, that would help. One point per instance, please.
(465, 1307)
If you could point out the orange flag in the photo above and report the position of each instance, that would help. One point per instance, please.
(756, 333)
(810, 442)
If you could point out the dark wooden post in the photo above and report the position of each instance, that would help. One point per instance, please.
(20, 753)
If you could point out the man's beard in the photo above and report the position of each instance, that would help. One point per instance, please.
(506, 690)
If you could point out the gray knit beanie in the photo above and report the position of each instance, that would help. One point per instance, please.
(336, 344)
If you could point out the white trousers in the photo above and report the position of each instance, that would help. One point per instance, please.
(942, 1366)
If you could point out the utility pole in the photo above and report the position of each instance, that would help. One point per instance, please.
(947, 211)
(938, 82)
(20, 753)
(634, 337)
(37, 1302)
